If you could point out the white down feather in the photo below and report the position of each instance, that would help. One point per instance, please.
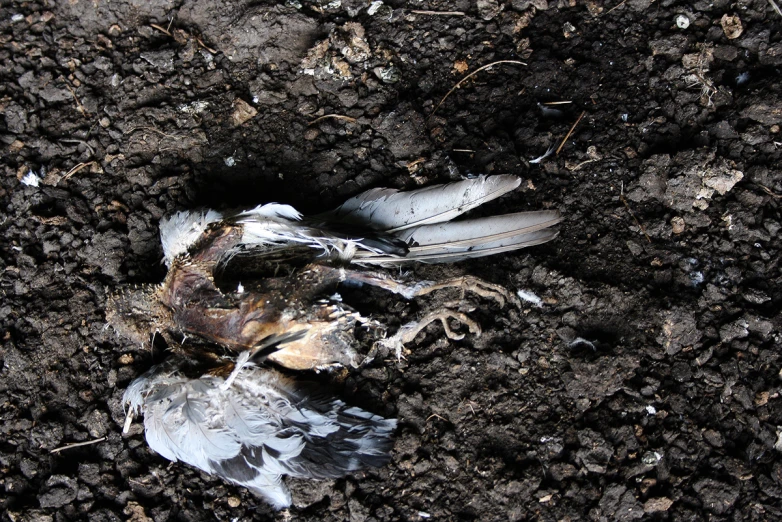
(179, 231)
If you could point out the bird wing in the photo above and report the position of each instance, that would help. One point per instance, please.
(254, 427)
(273, 226)
(379, 227)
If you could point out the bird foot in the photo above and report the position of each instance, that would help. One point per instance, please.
(409, 331)
(475, 285)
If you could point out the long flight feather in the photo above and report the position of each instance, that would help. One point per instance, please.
(456, 241)
(472, 233)
(390, 210)
(527, 240)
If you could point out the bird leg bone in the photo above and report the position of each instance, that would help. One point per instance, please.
(410, 291)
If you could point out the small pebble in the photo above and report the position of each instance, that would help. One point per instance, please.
(682, 21)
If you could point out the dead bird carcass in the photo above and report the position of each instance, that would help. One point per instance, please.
(218, 403)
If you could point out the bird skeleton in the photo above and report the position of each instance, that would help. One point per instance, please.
(218, 403)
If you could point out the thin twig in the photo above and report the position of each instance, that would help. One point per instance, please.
(334, 116)
(415, 162)
(564, 102)
(80, 142)
(78, 445)
(769, 191)
(617, 6)
(438, 13)
(77, 168)
(161, 29)
(79, 106)
(435, 415)
(202, 44)
(576, 167)
(775, 7)
(476, 71)
(627, 206)
(567, 136)
(152, 129)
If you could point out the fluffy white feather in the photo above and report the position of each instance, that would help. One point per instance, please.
(181, 230)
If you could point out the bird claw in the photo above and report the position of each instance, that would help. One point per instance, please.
(408, 332)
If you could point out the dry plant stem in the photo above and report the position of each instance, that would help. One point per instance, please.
(161, 29)
(79, 106)
(775, 7)
(77, 168)
(78, 445)
(152, 129)
(80, 142)
(438, 13)
(476, 71)
(573, 169)
(770, 192)
(202, 44)
(415, 162)
(567, 136)
(333, 116)
(617, 6)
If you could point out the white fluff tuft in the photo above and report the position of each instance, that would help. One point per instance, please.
(31, 179)
(526, 295)
(181, 230)
(273, 211)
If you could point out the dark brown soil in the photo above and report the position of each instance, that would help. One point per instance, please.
(647, 386)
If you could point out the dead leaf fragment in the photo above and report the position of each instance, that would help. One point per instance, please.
(243, 112)
(656, 505)
(460, 66)
(732, 27)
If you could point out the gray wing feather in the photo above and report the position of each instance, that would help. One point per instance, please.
(390, 210)
(455, 241)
